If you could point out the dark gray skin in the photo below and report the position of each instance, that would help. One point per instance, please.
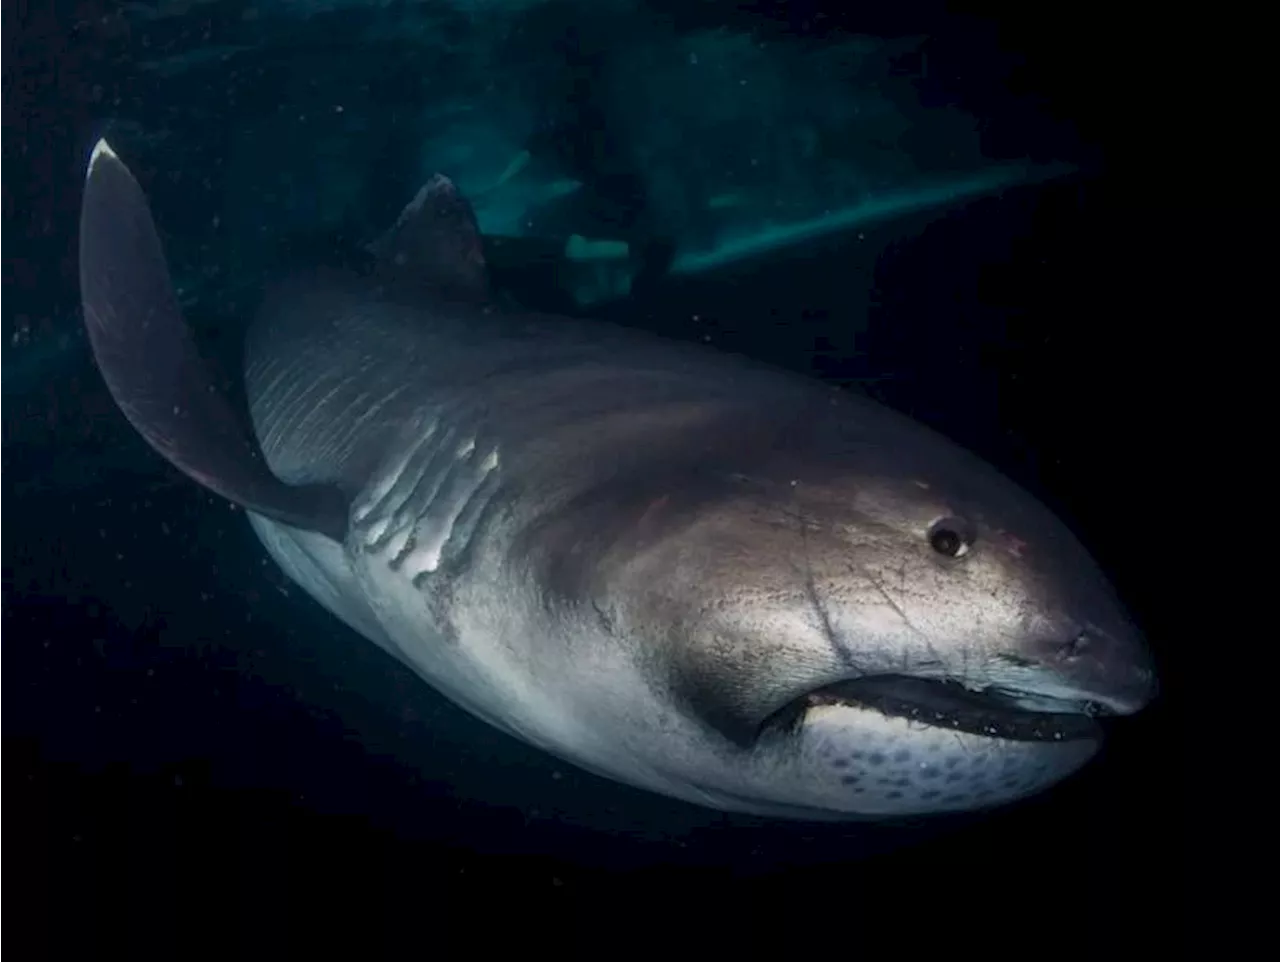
(669, 566)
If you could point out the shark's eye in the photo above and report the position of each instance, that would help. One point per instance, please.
(950, 537)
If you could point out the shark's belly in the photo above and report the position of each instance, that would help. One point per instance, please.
(319, 567)
(469, 670)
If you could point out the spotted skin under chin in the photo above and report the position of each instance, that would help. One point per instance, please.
(905, 767)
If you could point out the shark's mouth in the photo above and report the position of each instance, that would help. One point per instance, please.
(990, 712)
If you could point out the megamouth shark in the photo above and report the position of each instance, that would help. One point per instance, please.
(672, 567)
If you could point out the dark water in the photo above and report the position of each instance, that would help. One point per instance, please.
(195, 753)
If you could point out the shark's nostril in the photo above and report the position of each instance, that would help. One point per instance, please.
(1077, 647)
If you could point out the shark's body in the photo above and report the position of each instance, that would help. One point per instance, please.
(671, 567)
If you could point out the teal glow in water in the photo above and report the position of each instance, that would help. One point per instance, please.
(884, 207)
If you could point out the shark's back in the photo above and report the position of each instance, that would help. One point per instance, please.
(327, 368)
(336, 365)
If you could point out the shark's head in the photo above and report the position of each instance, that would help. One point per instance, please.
(868, 623)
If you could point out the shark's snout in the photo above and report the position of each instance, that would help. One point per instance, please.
(1113, 669)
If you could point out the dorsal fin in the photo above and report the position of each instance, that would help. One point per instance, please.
(435, 242)
(153, 368)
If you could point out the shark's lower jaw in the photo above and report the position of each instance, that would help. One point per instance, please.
(992, 713)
